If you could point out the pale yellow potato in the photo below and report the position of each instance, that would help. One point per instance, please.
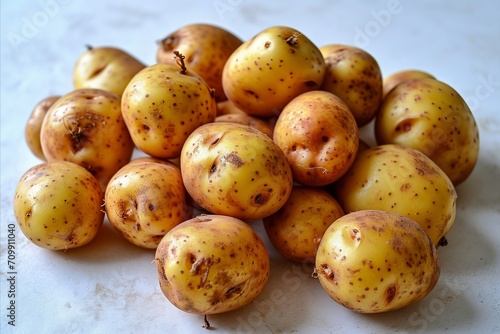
(354, 75)
(396, 78)
(297, 228)
(228, 107)
(267, 71)
(58, 205)
(145, 199)
(319, 136)
(34, 126)
(401, 180)
(430, 116)
(373, 261)
(212, 264)
(235, 170)
(86, 127)
(107, 68)
(163, 104)
(206, 48)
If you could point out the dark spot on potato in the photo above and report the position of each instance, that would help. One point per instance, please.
(234, 159)
(390, 293)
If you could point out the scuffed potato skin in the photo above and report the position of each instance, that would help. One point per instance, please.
(235, 170)
(319, 136)
(401, 180)
(297, 228)
(34, 126)
(430, 116)
(373, 261)
(86, 127)
(355, 76)
(57, 205)
(206, 48)
(212, 264)
(145, 199)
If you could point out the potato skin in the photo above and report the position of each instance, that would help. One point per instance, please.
(355, 76)
(319, 136)
(430, 116)
(161, 106)
(401, 180)
(267, 71)
(212, 264)
(235, 170)
(57, 205)
(86, 127)
(206, 48)
(246, 119)
(107, 68)
(145, 199)
(34, 125)
(373, 261)
(396, 78)
(296, 229)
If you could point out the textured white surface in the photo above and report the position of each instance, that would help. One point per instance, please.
(110, 286)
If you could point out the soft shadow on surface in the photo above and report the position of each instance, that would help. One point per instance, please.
(108, 246)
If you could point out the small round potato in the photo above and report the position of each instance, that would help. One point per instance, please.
(296, 229)
(206, 48)
(235, 170)
(145, 199)
(355, 76)
(319, 136)
(86, 127)
(395, 79)
(34, 126)
(430, 116)
(212, 264)
(246, 119)
(401, 180)
(373, 261)
(57, 205)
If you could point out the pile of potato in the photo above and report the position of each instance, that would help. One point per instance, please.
(248, 132)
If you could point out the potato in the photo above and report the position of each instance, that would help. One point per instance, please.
(212, 264)
(163, 104)
(267, 71)
(373, 261)
(145, 199)
(57, 205)
(319, 136)
(430, 116)
(206, 48)
(86, 127)
(106, 68)
(235, 170)
(401, 180)
(296, 229)
(396, 78)
(228, 107)
(355, 76)
(34, 125)
(246, 119)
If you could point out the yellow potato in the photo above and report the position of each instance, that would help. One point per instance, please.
(401, 180)
(206, 48)
(373, 261)
(235, 170)
(163, 104)
(86, 127)
(355, 76)
(430, 116)
(395, 79)
(212, 264)
(106, 68)
(145, 199)
(297, 228)
(34, 126)
(319, 136)
(57, 205)
(246, 119)
(267, 71)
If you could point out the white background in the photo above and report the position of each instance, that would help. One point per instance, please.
(111, 286)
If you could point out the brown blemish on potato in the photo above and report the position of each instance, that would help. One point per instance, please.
(234, 159)
(390, 293)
